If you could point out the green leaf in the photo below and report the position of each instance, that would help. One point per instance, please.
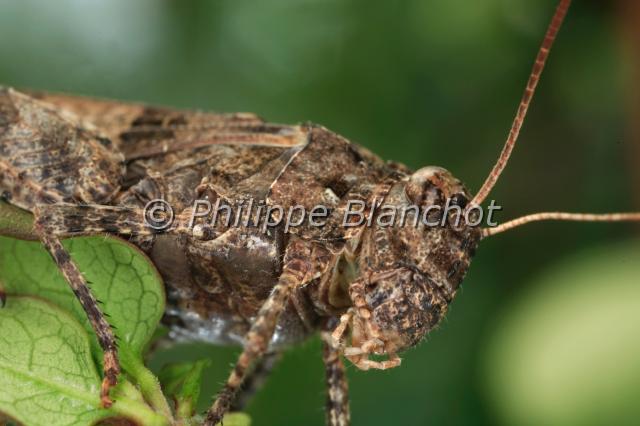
(121, 277)
(236, 419)
(47, 374)
(183, 382)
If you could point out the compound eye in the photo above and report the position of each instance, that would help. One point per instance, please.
(459, 199)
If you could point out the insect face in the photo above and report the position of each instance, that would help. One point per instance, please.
(411, 272)
(404, 306)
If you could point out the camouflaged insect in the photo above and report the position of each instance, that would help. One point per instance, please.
(86, 166)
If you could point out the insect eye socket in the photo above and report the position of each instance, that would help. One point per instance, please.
(427, 185)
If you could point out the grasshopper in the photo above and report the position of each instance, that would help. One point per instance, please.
(84, 166)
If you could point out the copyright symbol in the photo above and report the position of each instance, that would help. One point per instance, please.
(158, 215)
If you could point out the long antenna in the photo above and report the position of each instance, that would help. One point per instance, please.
(538, 66)
(574, 217)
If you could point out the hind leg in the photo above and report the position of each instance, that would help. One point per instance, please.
(296, 265)
(60, 220)
(78, 284)
(100, 325)
(257, 342)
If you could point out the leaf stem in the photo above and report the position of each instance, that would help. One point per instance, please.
(147, 381)
(139, 412)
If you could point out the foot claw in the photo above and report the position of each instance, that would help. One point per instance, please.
(105, 400)
(111, 371)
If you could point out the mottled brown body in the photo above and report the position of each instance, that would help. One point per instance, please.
(230, 272)
(86, 166)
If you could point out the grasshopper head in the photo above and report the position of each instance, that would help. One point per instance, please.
(402, 306)
(410, 271)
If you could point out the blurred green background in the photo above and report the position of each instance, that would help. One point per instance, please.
(545, 330)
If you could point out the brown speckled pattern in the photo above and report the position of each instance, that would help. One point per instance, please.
(87, 166)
